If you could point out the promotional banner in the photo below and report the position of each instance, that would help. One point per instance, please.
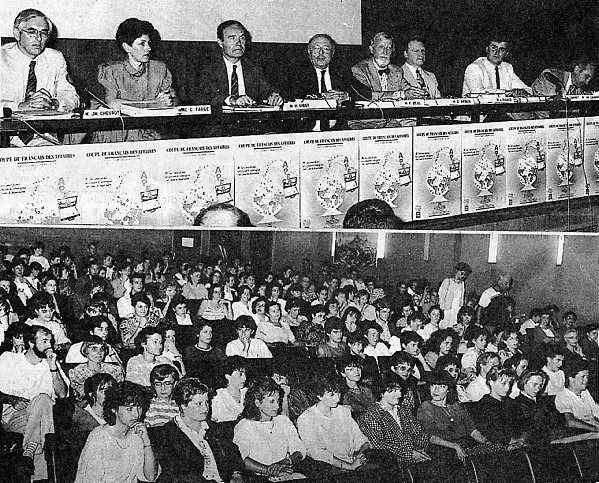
(386, 170)
(437, 171)
(328, 177)
(591, 154)
(526, 162)
(565, 169)
(267, 180)
(483, 167)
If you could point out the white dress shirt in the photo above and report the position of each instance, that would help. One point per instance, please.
(479, 78)
(241, 83)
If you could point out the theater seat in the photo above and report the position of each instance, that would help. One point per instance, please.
(554, 464)
(585, 454)
(505, 467)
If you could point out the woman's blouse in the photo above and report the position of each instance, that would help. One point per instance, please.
(495, 419)
(74, 355)
(239, 308)
(469, 359)
(267, 441)
(161, 411)
(271, 333)
(450, 423)
(57, 329)
(79, 374)
(107, 459)
(129, 327)
(326, 350)
(311, 334)
(225, 407)
(211, 312)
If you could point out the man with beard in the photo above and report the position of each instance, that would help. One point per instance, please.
(29, 384)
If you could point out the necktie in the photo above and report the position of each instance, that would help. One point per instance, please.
(420, 79)
(31, 81)
(384, 71)
(234, 82)
(323, 85)
(383, 74)
(497, 79)
(31, 88)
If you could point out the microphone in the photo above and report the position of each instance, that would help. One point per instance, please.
(554, 80)
(102, 103)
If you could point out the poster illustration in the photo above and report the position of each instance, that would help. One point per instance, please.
(565, 168)
(386, 170)
(591, 155)
(355, 249)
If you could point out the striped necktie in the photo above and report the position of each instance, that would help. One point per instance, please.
(31, 81)
(234, 82)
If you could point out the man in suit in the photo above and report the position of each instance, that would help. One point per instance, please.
(491, 73)
(559, 82)
(189, 448)
(414, 74)
(384, 80)
(232, 79)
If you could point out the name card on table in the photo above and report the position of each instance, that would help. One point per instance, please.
(194, 110)
(451, 102)
(307, 104)
(101, 113)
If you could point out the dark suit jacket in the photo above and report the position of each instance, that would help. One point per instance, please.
(303, 80)
(182, 462)
(429, 79)
(212, 87)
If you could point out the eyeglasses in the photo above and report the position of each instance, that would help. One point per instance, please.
(324, 50)
(46, 311)
(34, 33)
(164, 384)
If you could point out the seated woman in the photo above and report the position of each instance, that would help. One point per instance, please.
(194, 356)
(457, 391)
(215, 307)
(190, 448)
(440, 344)
(140, 366)
(97, 325)
(268, 441)
(575, 401)
(351, 318)
(94, 395)
(509, 344)
(135, 78)
(293, 317)
(42, 306)
(170, 351)
(494, 415)
(402, 365)
(573, 352)
(94, 349)
(162, 407)
(435, 315)
(517, 364)
(273, 330)
(334, 346)
(227, 404)
(448, 424)
(259, 310)
(466, 315)
(476, 339)
(120, 450)
(178, 318)
(328, 430)
(167, 293)
(354, 393)
(142, 317)
(311, 332)
(588, 342)
(374, 346)
(390, 427)
(245, 345)
(356, 344)
(242, 306)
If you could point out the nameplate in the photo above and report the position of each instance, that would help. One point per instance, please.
(410, 103)
(100, 113)
(308, 104)
(583, 97)
(194, 110)
(454, 102)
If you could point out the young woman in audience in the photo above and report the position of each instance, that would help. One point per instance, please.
(162, 408)
(573, 351)
(121, 283)
(273, 293)
(274, 330)
(402, 364)
(259, 310)
(59, 302)
(476, 337)
(139, 367)
(135, 78)
(41, 305)
(194, 288)
(294, 318)
(14, 338)
(435, 315)
(94, 394)
(327, 429)
(440, 344)
(312, 333)
(268, 441)
(178, 318)
(509, 344)
(390, 427)
(374, 348)
(215, 307)
(97, 325)
(466, 318)
(356, 343)
(120, 451)
(367, 310)
(94, 349)
(334, 346)
(227, 404)
(246, 345)
(554, 359)
(166, 296)
(243, 306)
(517, 364)
(170, 351)
(203, 350)
(588, 342)
(142, 318)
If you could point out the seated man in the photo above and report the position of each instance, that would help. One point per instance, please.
(414, 74)
(554, 358)
(32, 76)
(490, 74)
(575, 401)
(555, 82)
(233, 80)
(29, 383)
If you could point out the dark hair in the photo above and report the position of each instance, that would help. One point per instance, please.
(436, 307)
(372, 214)
(326, 383)
(226, 24)
(437, 337)
(528, 374)
(413, 38)
(142, 337)
(93, 383)
(245, 321)
(257, 392)
(256, 301)
(162, 371)
(186, 389)
(473, 332)
(324, 36)
(498, 36)
(463, 267)
(484, 358)
(131, 29)
(445, 361)
(242, 217)
(93, 340)
(466, 310)
(333, 323)
(408, 336)
(137, 275)
(399, 357)
(31, 331)
(124, 393)
(440, 378)
(234, 363)
(553, 349)
(354, 337)
(573, 368)
(387, 383)
(582, 61)
(140, 297)
(199, 326)
(371, 324)
(95, 321)
(272, 303)
(344, 362)
(39, 300)
(497, 373)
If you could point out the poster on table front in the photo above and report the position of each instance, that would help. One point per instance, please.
(328, 177)
(565, 167)
(194, 174)
(437, 172)
(267, 180)
(37, 187)
(591, 154)
(483, 167)
(526, 165)
(386, 170)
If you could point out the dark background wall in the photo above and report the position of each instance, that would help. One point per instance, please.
(545, 33)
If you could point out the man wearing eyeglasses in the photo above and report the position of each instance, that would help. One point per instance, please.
(31, 75)
(491, 74)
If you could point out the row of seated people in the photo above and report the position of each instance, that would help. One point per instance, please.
(233, 80)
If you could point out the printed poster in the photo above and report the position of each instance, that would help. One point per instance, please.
(437, 171)
(565, 168)
(526, 162)
(591, 154)
(267, 180)
(194, 174)
(386, 169)
(328, 177)
(483, 167)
